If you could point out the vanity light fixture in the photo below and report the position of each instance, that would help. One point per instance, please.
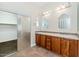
(64, 6)
(47, 13)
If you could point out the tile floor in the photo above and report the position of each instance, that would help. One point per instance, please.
(8, 47)
(34, 52)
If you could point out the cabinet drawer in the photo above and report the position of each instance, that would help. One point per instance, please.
(48, 37)
(48, 42)
(48, 47)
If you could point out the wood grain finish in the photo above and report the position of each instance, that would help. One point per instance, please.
(43, 40)
(56, 44)
(64, 47)
(59, 45)
(78, 48)
(38, 40)
(73, 48)
(48, 42)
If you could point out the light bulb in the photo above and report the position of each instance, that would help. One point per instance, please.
(63, 6)
(58, 8)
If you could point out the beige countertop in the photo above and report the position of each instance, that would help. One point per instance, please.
(59, 34)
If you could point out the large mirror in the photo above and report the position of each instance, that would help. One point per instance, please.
(64, 21)
(44, 23)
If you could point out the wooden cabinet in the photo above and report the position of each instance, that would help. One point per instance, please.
(69, 47)
(56, 44)
(38, 39)
(43, 41)
(73, 48)
(64, 47)
(78, 47)
(48, 42)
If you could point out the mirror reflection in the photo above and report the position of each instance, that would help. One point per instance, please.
(64, 21)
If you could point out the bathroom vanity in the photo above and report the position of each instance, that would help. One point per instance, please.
(60, 43)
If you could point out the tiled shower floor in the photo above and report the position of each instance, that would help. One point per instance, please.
(8, 47)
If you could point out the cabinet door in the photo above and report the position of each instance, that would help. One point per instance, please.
(73, 49)
(56, 44)
(65, 47)
(43, 40)
(38, 39)
(48, 42)
(78, 47)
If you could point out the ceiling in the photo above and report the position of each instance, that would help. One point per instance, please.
(28, 8)
(24, 8)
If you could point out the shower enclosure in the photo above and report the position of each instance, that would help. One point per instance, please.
(24, 33)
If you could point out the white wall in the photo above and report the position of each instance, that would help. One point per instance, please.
(8, 26)
(33, 29)
(7, 18)
(54, 15)
(7, 33)
(78, 18)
